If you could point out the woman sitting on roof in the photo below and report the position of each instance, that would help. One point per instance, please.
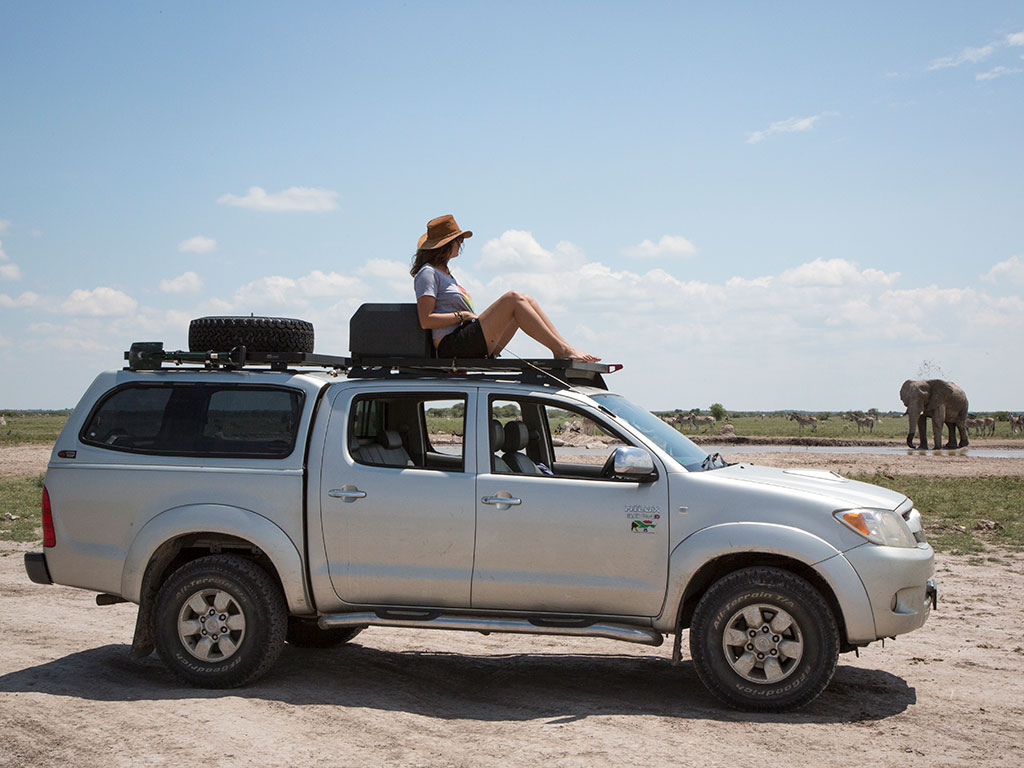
(446, 309)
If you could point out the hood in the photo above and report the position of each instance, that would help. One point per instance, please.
(845, 493)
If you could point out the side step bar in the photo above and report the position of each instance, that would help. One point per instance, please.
(434, 620)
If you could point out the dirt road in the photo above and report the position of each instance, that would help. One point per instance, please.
(951, 694)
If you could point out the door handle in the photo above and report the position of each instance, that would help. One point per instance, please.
(349, 494)
(509, 500)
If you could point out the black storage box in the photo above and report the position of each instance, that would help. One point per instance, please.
(388, 330)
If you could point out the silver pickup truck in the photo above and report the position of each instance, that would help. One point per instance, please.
(245, 499)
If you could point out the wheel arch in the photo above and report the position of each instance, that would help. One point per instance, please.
(715, 569)
(708, 555)
(185, 533)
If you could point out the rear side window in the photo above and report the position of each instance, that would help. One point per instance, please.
(425, 431)
(197, 420)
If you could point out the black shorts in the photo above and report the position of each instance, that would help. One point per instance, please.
(466, 341)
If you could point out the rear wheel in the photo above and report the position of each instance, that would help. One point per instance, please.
(219, 621)
(764, 639)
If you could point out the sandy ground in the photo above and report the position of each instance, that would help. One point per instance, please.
(18, 460)
(950, 694)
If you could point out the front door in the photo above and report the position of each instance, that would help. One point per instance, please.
(396, 498)
(571, 541)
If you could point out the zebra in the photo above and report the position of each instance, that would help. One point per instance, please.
(701, 421)
(804, 420)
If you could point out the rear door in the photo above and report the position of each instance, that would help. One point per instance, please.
(396, 496)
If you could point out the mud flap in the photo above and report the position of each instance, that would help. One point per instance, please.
(142, 642)
(677, 643)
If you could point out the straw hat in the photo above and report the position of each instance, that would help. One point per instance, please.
(441, 231)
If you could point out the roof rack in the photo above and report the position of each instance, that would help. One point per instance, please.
(151, 356)
(534, 371)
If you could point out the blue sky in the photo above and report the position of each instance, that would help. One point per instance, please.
(784, 205)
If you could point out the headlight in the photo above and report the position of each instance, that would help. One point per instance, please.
(879, 526)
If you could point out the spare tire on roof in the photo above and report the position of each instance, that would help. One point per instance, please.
(270, 335)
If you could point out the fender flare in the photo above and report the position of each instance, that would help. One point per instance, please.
(713, 542)
(218, 519)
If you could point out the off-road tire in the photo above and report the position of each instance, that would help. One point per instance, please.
(267, 335)
(763, 590)
(253, 595)
(305, 633)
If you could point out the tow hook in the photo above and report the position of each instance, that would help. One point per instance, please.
(931, 592)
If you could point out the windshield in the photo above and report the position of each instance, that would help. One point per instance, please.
(674, 443)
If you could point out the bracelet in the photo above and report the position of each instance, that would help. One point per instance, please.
(458, 315)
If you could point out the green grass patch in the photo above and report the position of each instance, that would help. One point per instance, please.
(965, 516)
(20, 501)
(32, 427)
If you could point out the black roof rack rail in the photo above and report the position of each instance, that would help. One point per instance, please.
(536, 371)
(151, 356)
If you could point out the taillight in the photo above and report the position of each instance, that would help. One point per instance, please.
(49, 537)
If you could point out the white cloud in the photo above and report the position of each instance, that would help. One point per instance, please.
(390, 274)
(186, 283)
(1011, 271)
(792, 125)
(198, 244)
(385, 269)
(7, 271)
(4, 224)
(280, 291)
(1017, 38)
(995, 72)
(99, 302)
(668, 245)
(26, 299)
(517, 251)
(966, 56)
(835, 273)
(317, 285)
(292, 199)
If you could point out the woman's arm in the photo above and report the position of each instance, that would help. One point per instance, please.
(430, 319)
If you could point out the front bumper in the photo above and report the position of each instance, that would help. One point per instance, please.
(35, 566)
(898, 584)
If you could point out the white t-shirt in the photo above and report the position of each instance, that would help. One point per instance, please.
(448, 295)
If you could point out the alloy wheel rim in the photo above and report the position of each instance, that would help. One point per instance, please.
(211, 625)
(763, 643)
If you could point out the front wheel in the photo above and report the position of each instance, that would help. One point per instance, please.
(764, 639)
(219, 621)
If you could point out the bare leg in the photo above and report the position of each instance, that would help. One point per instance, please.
(517, 309)
(546, 320)
(510, 331)
(505, 337)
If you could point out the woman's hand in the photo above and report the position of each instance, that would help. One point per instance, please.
(467, 315)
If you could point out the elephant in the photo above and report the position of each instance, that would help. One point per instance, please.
(944, 402)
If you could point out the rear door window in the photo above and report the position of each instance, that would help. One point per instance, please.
(404, 429)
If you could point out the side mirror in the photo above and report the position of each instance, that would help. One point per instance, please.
(634, 463)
